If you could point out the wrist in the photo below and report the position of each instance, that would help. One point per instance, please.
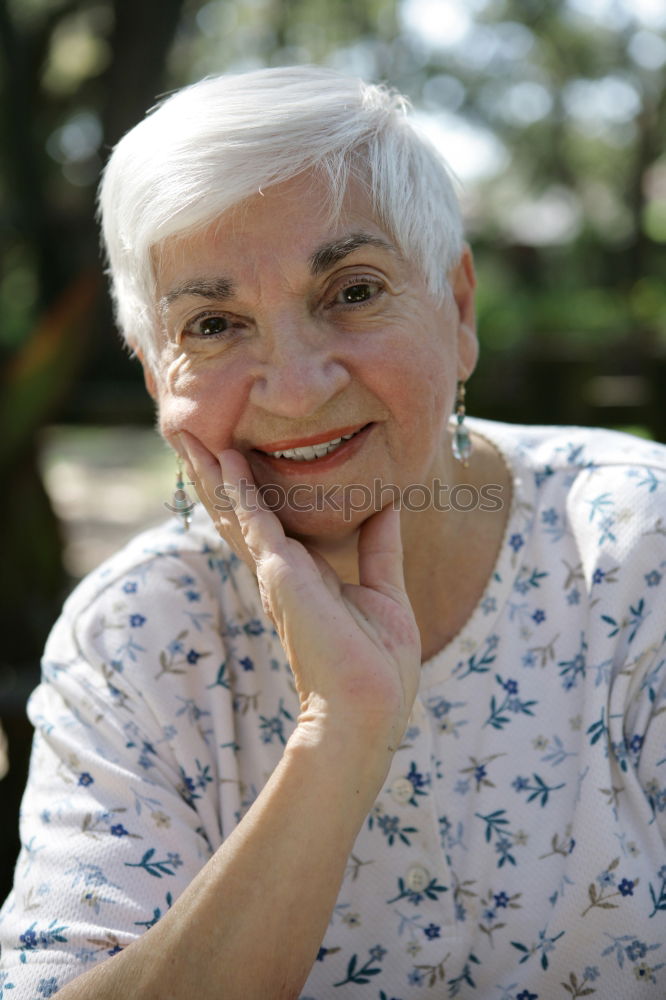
(354, 759)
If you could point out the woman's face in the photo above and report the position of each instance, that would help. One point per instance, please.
(282, 330)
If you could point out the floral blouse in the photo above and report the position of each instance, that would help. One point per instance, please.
(516, 849)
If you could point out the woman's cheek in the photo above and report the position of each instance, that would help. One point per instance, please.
(206, 400)
(179, 396)
(177, 413)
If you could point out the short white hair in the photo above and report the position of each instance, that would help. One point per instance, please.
(212, 145)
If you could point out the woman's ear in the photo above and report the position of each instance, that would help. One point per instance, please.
(462, 281)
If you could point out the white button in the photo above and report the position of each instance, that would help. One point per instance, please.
(418, 878)
(402, 790)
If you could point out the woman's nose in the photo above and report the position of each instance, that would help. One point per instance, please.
(298, 377)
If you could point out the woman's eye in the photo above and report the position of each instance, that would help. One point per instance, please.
(360, 291)
(210, 326)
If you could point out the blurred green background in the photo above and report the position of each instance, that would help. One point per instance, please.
(553, 116)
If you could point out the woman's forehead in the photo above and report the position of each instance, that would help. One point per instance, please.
(288, 223)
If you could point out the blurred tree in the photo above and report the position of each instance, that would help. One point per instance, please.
(569, 226)
(73, 77)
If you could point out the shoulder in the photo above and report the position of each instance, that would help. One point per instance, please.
(582, 466)
(604, 491)
(544, 450)
(166, 592)
(161, 560)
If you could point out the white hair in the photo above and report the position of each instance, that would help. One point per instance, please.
(214, 144)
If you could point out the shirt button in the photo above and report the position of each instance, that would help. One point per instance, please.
(418, 878)
(402, 790)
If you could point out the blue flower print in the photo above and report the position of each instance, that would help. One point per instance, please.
(498, 717)
(416, 896)
(653, 578)
(391, 828)
(658, 893)
(626, 887)
(52, 934)
(47, 987)
(129, 587)
(193, 656)
(431, 931)
(516, 542)
(246, 663)
(636, 950)
(528, 579)
(539, 790)
(539, 616)
(526, 995)
(419, 782)
(136, 621)
(4, 985)
(574, 669)
(85, 779)
(501, 900)
(439, 707)
(540, 478)
(28, 939)
(549, 516)
(598, 504)
(606, 878)
(591, 972)
(118, 830)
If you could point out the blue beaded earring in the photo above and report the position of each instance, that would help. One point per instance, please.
(462, 442)
(182, 503)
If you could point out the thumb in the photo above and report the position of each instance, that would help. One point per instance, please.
(380, 553)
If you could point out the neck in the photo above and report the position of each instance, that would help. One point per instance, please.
(450, 547)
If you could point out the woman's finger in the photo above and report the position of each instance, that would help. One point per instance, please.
(201, 466)
(380, 563)
(262, 530)
(204, 470)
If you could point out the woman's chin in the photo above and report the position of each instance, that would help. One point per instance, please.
(323, 528)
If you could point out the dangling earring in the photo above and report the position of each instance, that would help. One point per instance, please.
(182, 504)
(462, 442)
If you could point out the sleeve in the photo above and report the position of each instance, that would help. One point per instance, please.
(121, 807)
(618, 515)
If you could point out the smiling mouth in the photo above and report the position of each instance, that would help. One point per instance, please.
(312, 452)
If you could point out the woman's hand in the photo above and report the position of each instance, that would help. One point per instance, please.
(354, 649)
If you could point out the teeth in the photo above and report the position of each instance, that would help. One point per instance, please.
(308, 452)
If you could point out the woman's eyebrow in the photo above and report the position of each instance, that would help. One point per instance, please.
(204, 288)
(329, 254)
(321, 260)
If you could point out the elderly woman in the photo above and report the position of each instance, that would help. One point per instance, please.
(388, 720)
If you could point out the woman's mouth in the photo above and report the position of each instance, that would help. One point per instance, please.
(319, 452)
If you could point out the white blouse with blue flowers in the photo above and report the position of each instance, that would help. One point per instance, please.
(516, 850)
